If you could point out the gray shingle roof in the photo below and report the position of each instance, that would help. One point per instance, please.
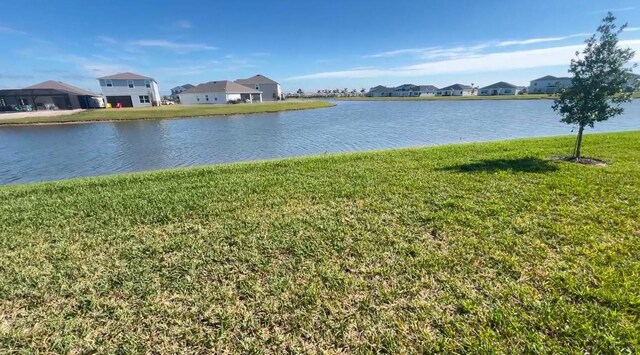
(225, 86)
(428, 88)
(256, 79)
(60, 86)
(500, 85)
(457, 87)
(551, 77)
(127, 76)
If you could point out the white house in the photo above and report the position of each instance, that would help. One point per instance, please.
(549, 84)
(130, 90)
(456, 90)
(271, 90)
(219, 92)
(428, 90)
(500, 88)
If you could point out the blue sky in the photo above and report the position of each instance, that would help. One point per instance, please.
(302, 44)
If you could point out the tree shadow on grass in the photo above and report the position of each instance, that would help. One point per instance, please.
(527, 165)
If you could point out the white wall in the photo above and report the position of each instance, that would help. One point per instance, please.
(201, 98)
(118, 89)
(547, 86)
(268, 90)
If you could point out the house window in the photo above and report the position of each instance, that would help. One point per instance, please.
(147, 84)
(215, 99)
(198, 98)
(144, 99)
(130, 84)
(257, 87)
(108, 83)
(207, 97)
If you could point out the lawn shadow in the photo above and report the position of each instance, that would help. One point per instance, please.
(527, 165)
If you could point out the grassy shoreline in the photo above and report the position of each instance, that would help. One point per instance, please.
(168, 112)
(484, 247)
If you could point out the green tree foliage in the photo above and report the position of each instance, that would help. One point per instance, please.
(601, 81)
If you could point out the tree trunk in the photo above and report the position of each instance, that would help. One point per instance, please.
(578, 154)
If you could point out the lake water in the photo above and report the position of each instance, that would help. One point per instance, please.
(53, 152)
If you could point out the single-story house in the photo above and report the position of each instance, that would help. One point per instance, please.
(500, 88)
(380, 91)
(130, 90)
(427, 90)
(406, 90)
(271, 90)
(549, 84)
(50, 95)
(456, 90)
(219, 92)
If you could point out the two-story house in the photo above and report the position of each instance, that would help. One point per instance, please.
(130, 90)
(271, 90)
(549, 84)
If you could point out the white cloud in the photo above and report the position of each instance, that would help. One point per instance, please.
(604, 11)
(10, 30)
(631, 29)
(488, 62)
(174, 46)
(466, 51)
(540, 40)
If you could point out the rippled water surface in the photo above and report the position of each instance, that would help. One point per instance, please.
(52, 152)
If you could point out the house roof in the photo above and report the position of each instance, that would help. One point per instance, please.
(500, 85)
(225, 86)
(457, 87)
(256, 79)
(60, 86)
(551, 77)
(428, 88)
(380, 88)
(127, 76)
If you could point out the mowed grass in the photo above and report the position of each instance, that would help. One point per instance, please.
(474, 248)
(171, 111)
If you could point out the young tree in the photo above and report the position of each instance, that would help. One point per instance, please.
(601, 75)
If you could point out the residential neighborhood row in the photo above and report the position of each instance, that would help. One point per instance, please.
(135, 90)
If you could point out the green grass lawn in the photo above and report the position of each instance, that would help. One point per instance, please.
(474, 248)
(449, 98)
(172, 111)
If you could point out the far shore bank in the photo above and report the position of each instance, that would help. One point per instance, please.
(458, 98)
(165, 112)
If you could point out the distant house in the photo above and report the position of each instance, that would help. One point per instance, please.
(549, 84)
(130, 90)
(50, 95)
(180, 89)
(380, 91)
(219, 92)
(500, 88)
(427, 90)
(271, 90)
(406, 90)
(633, 81)
(456, 90)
